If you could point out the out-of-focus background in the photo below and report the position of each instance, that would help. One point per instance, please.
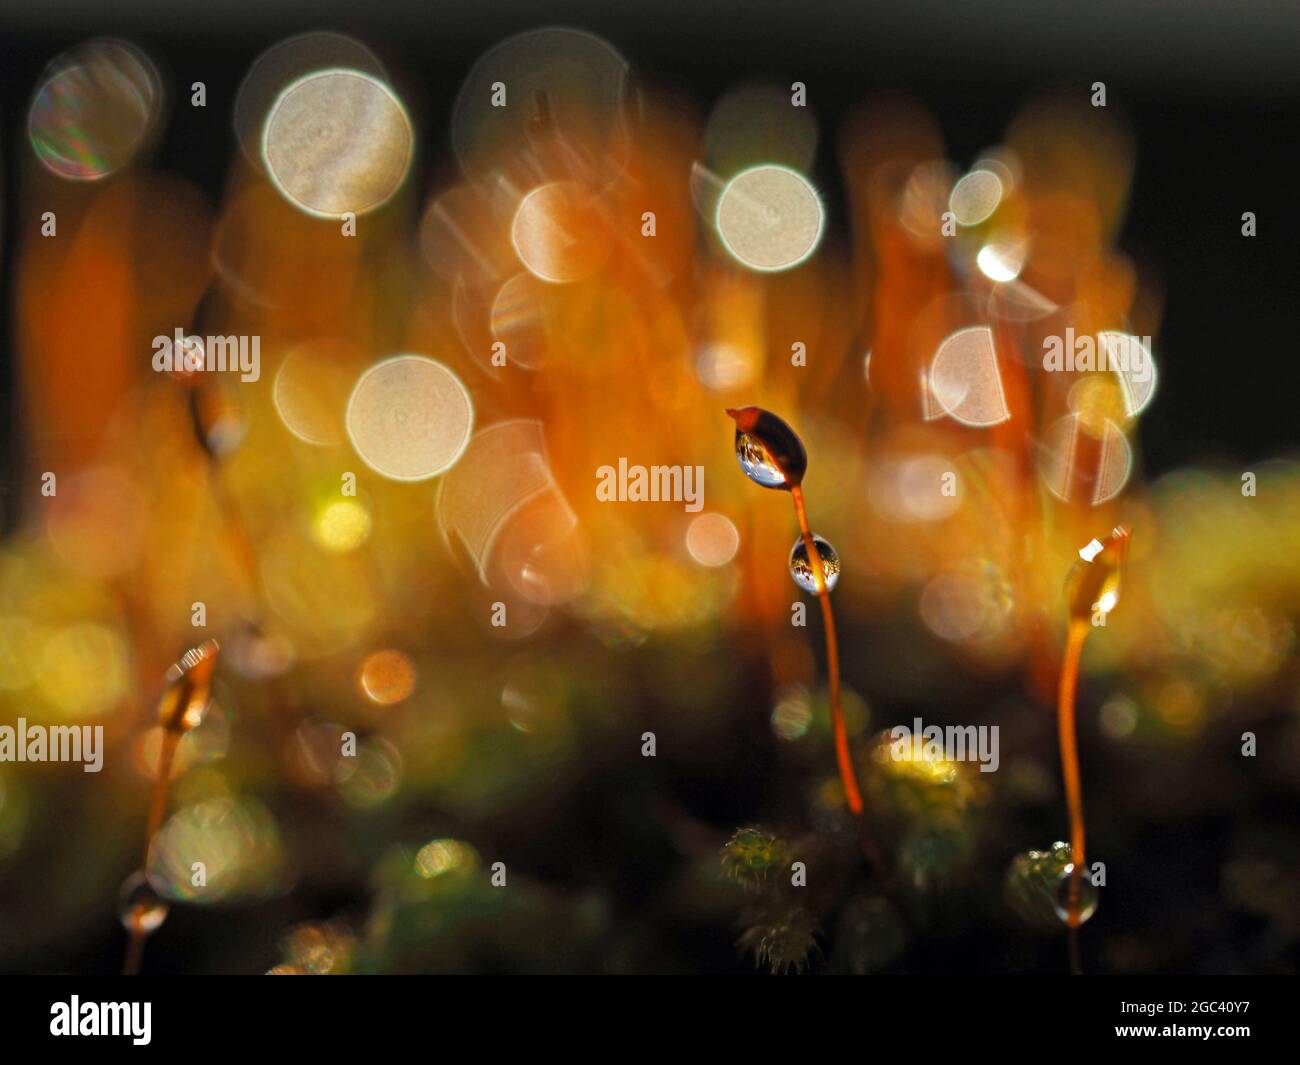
(521, 231)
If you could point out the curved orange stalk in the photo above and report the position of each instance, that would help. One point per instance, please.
(772, 455)
(843, 756)
(1069, 749)
(183, 703)
(1077, 633)
(134, 948)
(157, 807)
(1093, 587)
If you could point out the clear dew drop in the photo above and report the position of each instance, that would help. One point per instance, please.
(801, 567)
(757, 463)
(1087, 896)
(139, 906)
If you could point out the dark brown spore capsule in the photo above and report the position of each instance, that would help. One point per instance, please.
(781, 446)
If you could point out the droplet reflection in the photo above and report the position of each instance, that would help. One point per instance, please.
(1074, 893)
(801, 566)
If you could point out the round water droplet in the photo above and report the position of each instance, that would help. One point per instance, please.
(1074, 893)
(801, 568)
(139, 906)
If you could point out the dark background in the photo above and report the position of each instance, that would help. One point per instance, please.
(1212, 91)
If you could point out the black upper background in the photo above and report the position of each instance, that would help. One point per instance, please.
(1206, 86)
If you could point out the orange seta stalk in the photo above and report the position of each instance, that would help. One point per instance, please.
(1076, 635)
(772, 455)
(1069, 749)
(134, 948)
(157, 807)
(843, 756)
(183, 704)
(1093, 588)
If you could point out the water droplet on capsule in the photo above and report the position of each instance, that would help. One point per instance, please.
(801, 567)
(756, 462)
(139, 906)
(1063, 901)
(769, 452)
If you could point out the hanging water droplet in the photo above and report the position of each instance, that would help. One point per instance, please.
(801, 567)
(189, 688)
(1037, 889)
(1075, 893)
(769, 452)
(140, 908)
